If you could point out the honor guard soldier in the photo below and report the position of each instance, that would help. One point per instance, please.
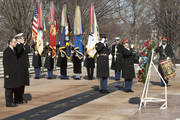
(49, 61)
(90, 65)
(36, 62)
(22, 49)
(117, 58)
(11, 81)
(165, 52)
(62, 63)
(77, 65)
(128, 72)
(103, 64)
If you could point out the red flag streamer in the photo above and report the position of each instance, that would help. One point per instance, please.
(40, 26)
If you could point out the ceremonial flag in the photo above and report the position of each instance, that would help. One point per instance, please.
(39, 44)
(64, 45)
(35, 24)
(53, 29)
(93, 33)
(78, 33)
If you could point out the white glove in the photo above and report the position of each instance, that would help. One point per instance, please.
(49, 54)
(47, 43)
(132, 46)
(36, 52)
(168, 58)
(160, 44)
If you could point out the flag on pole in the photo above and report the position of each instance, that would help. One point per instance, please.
(78, 33)
(35, 24)
(40, 46)
(93, 33)
(53, 29)
(64, 45)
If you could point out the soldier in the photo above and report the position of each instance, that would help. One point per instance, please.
(77, 64)
(49, 61)
(117, 58)
(103, 64)
(128, 72)
(90, 65)
(165, 52)
(11, 81)
(22, 51)
(62, 63)
(36, 62)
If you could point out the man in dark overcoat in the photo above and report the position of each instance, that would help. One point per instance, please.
(36, 61)
(128, 72)
(11, 81)
(22, 51)
(117, 59)
(102, 64)
(165, 52)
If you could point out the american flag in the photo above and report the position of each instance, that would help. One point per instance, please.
(35, 24)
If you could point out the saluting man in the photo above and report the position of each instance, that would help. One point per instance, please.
(103, 64)
(165, 52)
(22, 51)
(49, 61)
(128, 72)
(36, 62)
(117, 58)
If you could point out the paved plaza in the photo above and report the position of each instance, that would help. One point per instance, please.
(71, 99)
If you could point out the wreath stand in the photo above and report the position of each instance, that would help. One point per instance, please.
(145, 98)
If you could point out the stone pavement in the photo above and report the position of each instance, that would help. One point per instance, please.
(114, 106)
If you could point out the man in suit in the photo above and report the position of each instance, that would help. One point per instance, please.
(103, 64)
(23, 65)
(11, 81)
(165, 52)
(36, 62)
(117, 59)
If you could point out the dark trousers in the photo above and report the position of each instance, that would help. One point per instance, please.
(103, 83)
(90, 72)
(19, 93)
(128, 84)
(37, 72)
(63, 72)
(10, 95)
(162, 74)
(117, 74)
(50, 73)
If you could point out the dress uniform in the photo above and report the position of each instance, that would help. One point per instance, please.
(62, 63)
(22, 51)
(49, 61)
(102, 65)
(11, 74)
(77, 65)
(117, 59)
(165, 52)
(128, 72)
(90, 65)
(36, 62)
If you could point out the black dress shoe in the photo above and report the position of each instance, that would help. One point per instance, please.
(131, 90)
(126, 90)
(49, 77)
(11, 105)
(37, 78)
(106, 91)
(100, 91)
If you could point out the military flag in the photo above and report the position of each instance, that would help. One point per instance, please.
(78, 33)
(53, 29)
(93, 33)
